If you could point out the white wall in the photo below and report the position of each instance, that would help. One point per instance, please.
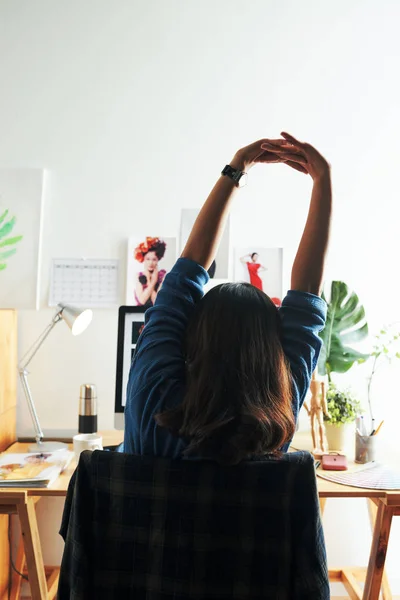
(134, 108)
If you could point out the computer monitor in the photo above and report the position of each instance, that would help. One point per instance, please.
(130, 325)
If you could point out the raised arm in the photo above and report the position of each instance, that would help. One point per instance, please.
(245, 259)
(308, 266)
(207, 231)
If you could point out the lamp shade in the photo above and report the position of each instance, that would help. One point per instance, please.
(76, 318)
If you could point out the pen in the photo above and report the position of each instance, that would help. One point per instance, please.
(362, 426)
(378, 428)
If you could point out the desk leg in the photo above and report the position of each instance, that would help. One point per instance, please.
(16, 580)
(377, 557)
(322, 502)
(33, 551)
(372, 510)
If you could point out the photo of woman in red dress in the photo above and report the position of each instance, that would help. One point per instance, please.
(262, 268)
(254, 267)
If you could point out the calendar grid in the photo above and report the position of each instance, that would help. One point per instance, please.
(91, 283)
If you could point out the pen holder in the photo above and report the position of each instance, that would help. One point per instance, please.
(365, 448)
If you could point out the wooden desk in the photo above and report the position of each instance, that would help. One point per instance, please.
(383, 506)
(43, 580)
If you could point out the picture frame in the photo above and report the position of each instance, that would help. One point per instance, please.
(147, 254)
(21, 232)
(262, 267)
(130, 325)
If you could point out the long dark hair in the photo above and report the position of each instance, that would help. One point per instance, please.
(238, 383)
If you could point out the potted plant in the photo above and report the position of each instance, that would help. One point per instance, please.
(343, 409)
(345, 324)
(386, 346)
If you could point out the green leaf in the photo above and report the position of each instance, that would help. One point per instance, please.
(343, 407)
(7, 228)
(345, 324)
(7, 254)
(355, 336)
(3, 216)
(11, 241)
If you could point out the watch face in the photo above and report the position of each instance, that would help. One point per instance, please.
(243, 180)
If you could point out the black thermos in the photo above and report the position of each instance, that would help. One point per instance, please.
(88, 409)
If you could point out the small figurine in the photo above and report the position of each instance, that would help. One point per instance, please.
(318, 408)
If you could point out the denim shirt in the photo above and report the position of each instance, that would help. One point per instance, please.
(157, 375)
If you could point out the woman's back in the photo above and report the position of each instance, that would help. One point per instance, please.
(225, 376)
(160, 374)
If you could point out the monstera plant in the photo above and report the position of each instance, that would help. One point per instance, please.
(7, 243)
(345, 325)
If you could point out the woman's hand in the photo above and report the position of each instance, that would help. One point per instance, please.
(266, 151)
(291, 150)
(153, 278)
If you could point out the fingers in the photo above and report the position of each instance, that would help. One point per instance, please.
(297, 162)
(292, 139)
(268, 157)
(277, 142)
(296, 166)
(281, 156)
(274, 143)
(280, 148)
(299, 158)
(286, 153)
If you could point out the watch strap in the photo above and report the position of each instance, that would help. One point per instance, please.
(232, 173)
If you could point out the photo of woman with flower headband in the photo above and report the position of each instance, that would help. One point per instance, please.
(145, 277)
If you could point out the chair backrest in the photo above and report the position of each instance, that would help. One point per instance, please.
(144, 527)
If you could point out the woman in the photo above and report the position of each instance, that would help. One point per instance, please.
(254, 268)
(224, 376)
(149, 281)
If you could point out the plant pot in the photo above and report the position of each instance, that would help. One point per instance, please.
(340, 437)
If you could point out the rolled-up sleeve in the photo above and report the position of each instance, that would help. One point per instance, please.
(303, 316)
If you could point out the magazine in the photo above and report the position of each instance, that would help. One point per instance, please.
(33, 469)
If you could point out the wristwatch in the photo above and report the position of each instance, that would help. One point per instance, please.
(239, 177)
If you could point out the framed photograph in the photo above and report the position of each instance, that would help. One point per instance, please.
(130, 326)
(262, 267)
(21, 215)
(149, 260)
(220, 267)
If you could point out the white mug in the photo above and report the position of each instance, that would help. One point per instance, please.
(86, 441)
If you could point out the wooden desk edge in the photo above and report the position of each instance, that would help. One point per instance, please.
(326, 489)
(59, 487)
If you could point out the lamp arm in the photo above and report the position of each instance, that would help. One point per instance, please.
(23, 373)
(31, 353)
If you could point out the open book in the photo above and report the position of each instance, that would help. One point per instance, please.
(32, 469)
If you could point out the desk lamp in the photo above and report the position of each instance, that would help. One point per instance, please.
(77, 320)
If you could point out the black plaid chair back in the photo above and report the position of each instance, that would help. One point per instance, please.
(139, 527)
